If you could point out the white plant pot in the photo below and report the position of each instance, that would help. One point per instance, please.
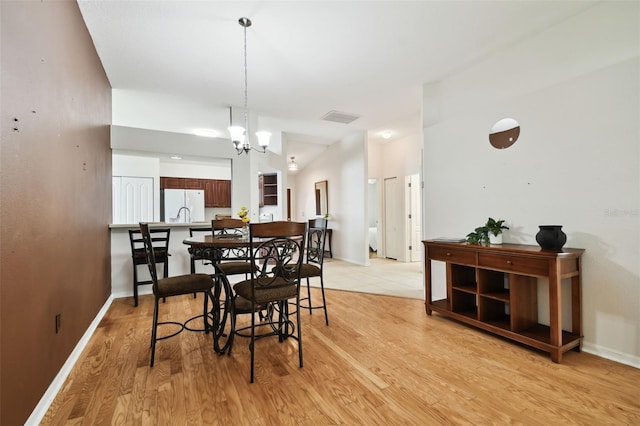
(495, 239)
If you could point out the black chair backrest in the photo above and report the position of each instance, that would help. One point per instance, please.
(150, 254)
(200, 230)
(197, 230)
(277, 248)
(227, 226)
(316, 237)
(159, 239)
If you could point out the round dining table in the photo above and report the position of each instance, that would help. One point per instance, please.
(214, 249)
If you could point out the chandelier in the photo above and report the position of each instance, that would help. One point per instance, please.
(292, 166)
(240, 135)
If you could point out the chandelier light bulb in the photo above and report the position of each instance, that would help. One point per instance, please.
(263, 138)
(237, 134)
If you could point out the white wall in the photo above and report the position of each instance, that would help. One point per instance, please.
(574, 89)
(343, 165)
(401, 158)
(139, 109)
(396, 158)
(347, 166)
(292, 184)
(180, 168)
(372, 204)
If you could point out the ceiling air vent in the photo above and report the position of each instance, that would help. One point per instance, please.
(340, 117)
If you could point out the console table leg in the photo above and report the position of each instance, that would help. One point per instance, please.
(576, 298)
(427, 281)
(555, 312)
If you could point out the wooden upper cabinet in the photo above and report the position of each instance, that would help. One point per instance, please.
(171, 183)
(217, 193)
(190, 183)
(181, 183)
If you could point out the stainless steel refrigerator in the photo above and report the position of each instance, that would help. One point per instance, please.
(183, 205)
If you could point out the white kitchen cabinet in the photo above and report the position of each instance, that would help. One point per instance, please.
(132, 199)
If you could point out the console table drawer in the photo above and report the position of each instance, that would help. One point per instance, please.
(464, 257)
(518, 264)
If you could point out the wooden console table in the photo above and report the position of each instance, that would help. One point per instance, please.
(495, 288)
(328, 241)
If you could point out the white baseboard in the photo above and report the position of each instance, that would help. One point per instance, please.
(603, 352)
(128, 293)
(41, 409)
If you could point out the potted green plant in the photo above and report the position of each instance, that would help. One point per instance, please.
(494, 230)
(480, 235)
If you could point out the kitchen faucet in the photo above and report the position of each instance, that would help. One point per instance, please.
(188, 212)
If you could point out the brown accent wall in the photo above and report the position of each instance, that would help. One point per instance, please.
(55, 193)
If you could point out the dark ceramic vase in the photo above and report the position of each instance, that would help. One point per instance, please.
(551, 237)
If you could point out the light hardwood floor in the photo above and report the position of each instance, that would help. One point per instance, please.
(382, 361)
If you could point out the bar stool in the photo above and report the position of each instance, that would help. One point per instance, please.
(199, 230)
(313, 265)
(173, 286)
(233, 267)
(160, 241)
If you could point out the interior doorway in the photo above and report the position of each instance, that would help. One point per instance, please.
(413, 229)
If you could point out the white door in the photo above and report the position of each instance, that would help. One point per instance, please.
(414, 213)
(132, 199)
(392, 208)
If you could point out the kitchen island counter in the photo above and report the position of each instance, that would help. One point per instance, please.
(122, 266)
(159, 225)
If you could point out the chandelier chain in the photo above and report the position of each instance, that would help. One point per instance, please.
(240, 135)
(246, 96)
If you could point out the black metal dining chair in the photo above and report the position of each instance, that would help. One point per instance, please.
(173, 286)
(193, 257)
(241, 264)
(277, 251)
(160, 242)
(313, 265)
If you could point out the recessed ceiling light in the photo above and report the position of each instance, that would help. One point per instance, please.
(176, 157)
(207, 133)
(386, 134)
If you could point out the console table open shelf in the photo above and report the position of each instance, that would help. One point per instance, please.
(495, 288)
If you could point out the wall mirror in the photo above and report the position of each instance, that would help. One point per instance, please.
(504, 133)
(321, 192)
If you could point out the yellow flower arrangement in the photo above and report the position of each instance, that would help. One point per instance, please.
(243, 214)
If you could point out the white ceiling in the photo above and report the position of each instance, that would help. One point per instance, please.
(305, 58)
